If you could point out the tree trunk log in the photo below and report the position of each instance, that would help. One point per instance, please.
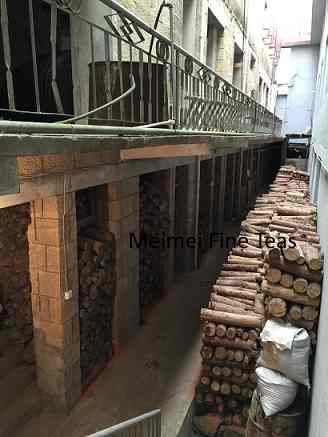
(277, 307)
(312, 257)
(314, 290)
(300, 285)
(287, 280)
(288, 294)
(231, 319)
(239, 268)
(296, 270)
(310, 313)
(295, 312)
(247, 253)
(273, 275)
(234, 292)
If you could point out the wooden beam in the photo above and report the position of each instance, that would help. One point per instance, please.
(165, 151)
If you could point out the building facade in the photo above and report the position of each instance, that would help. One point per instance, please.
(296, 79)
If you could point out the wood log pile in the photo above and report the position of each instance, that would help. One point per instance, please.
(15, 287)
(291, 287)
(154, 222)
(96, 295)
(231, 329)
(292, 283)
(264, 276)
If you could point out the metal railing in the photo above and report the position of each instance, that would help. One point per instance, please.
(169, 82)
(147, 425)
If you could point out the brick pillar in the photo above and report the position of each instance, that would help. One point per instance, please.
(123, 216)
(53, 268)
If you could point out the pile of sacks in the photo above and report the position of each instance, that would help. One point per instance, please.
(282, 376)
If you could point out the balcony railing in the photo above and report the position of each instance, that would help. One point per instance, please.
(169, 82)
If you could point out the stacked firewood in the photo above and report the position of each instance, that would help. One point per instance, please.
(154, 222)
(232, 324)
(96, 294)
(292, 285)
(243, 297)
(293, 275)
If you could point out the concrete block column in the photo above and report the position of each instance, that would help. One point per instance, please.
(190, 205)
(52, 237)
(123, 222)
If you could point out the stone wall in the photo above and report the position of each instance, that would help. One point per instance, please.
(15, 286)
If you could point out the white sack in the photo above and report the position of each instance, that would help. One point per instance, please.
(286, 348)
(276, 392)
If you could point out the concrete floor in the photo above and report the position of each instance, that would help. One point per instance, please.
(159, 369)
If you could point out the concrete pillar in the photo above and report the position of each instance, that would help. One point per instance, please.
(170, 268)
(123, 222)
(190, 202)
(52, 237)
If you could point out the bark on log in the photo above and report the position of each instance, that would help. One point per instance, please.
(231, 319)
(294, 210)
(236, 343)
(312, 257)
(234, 292)
(239, 268)
(249, 276)
(288, 294)
(237, 282)
(297, 270)
(259, 304)
(232, 301)
(217, 306)
(282, 229)
(239, 260)
(247, 253)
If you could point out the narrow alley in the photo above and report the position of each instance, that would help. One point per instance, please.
(163, 238)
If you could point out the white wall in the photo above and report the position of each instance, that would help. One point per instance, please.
(319, 191)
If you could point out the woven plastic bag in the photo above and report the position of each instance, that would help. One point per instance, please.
(286, 348)
(276, 392)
